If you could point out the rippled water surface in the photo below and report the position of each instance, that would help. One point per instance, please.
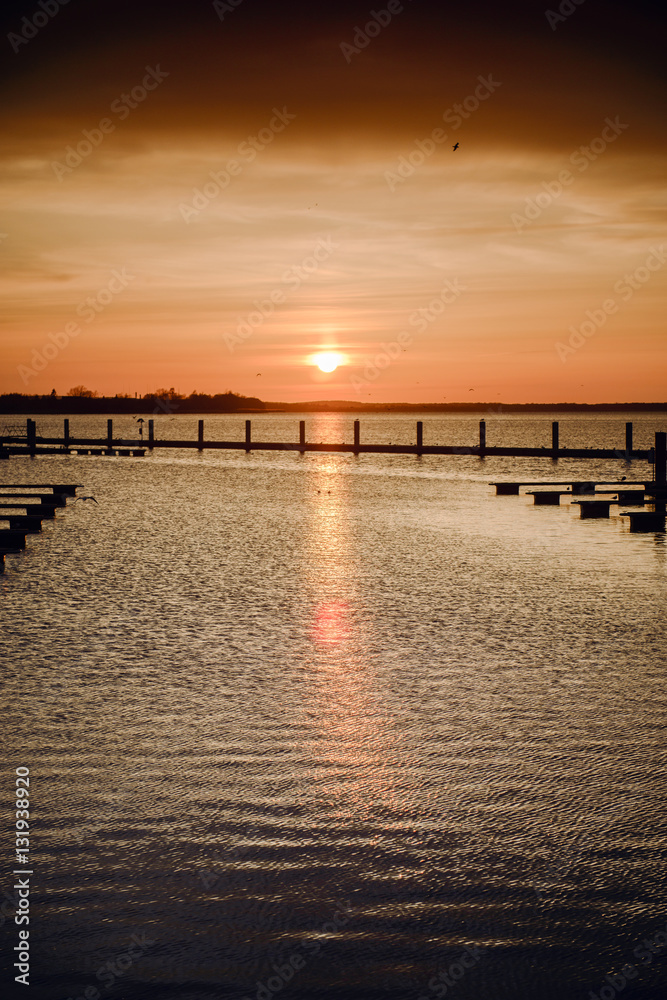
(327, 726)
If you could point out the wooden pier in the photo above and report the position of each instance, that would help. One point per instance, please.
(594, 506)
(34, 506)
(33, 444)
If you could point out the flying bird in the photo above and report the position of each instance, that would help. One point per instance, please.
(456, 146)
(86, 498)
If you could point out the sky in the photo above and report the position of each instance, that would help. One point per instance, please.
(208, 195)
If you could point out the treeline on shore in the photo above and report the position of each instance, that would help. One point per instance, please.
(151, 404)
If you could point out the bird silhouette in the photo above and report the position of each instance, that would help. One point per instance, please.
(86, 498)
(456, 146)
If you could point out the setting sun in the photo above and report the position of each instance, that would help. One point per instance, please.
(328, 361)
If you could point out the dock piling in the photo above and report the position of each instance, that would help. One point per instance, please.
(12, 539)
(661, 458)
(200, 436)
(548, 498)
(151, 434)
(31, 433)
(248, 436)
(554, 439)
(420, 436)
(482, 437)
(356, 437)
(110, 434)
(66, 432)
(23, 522)
(302, 434)
(593, 508)
(628, 439)
(646, 520)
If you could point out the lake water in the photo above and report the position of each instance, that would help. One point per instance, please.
(338, 727)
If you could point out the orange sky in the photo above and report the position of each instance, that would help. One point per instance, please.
(517, 265)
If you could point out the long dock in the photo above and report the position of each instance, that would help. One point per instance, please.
(33, 444)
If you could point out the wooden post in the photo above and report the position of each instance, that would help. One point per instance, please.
(31, 432)
(200, 436)
(661, 458)
(356, 437)
(420, 436)
(109, 434)
(482, 436)
(247, 436)
(554, 438)
(66, 432)
(302, 434)
(151, 433)
(628, 439)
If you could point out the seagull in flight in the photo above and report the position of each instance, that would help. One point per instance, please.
(456, 146)
(86, 498)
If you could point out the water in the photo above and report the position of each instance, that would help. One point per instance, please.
(312, 726)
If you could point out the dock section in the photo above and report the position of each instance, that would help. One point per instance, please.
(23, 508)
(31, 443)
(595, 502)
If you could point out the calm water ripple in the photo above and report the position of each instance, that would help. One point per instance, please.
(332, 727)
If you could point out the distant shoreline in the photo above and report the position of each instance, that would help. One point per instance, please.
(17, 405)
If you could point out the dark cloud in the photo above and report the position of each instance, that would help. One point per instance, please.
(557, 83)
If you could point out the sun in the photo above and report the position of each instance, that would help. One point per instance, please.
(328, 361)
